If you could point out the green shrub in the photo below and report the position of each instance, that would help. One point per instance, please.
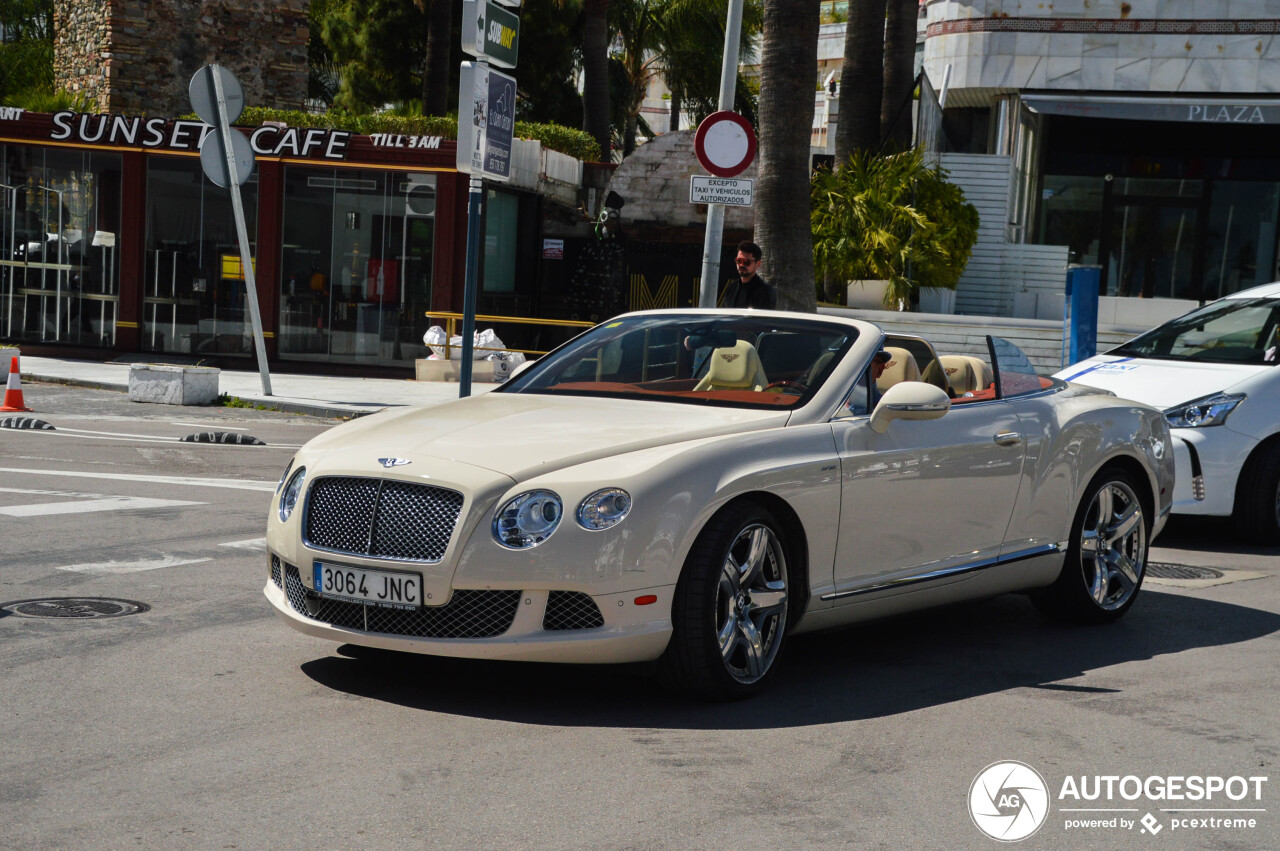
(566, 140)
(891, 218)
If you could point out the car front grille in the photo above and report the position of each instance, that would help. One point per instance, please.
(381, 518)
(275, 572)
(571, 610)
(468, 614)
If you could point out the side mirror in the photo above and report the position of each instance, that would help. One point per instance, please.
(909, 400)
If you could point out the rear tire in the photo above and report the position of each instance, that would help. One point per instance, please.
(1107, 555)
(1257, 514)
(730, 613)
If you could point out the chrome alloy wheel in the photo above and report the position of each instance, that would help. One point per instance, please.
(1113, 545)
(751, 603)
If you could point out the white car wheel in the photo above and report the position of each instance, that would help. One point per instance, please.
(1257, 513)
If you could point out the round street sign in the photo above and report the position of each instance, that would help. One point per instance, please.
(213, 157)
(205, 102)
(725, 144)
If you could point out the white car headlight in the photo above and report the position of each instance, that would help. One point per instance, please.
(527, 520)
(603, 509)
(292, 492)
(1205, 412)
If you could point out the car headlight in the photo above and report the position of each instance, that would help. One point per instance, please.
(527, 520)
(291, 493)
(285, 474)
(603, 509)
(1205, 412)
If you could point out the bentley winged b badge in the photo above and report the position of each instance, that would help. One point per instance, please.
(393, 462)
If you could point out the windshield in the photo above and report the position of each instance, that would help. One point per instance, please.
(731, 361)
(1230, 331)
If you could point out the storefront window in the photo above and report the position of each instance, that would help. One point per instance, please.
(1070, 209)
(500, 220)
(59, 224)
(356, 265)
(1241, 243)
(194, 286)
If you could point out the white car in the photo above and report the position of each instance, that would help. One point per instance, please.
(692, 487)
(1213, 372)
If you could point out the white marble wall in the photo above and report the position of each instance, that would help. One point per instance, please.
(1195, 62)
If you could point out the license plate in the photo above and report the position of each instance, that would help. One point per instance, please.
(392, 589)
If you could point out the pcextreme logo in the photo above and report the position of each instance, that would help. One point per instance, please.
(1009, 801)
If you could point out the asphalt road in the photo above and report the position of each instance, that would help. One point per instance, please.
(203, 722)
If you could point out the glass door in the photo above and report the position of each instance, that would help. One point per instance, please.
(1153, 238)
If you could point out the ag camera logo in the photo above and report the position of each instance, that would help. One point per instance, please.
(1008, 801)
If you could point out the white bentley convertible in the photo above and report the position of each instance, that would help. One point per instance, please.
(692, 487)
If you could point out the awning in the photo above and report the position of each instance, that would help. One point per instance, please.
(1193, 110)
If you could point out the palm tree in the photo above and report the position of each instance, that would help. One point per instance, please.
(595, 73)
(437, 64)
(861, 81)
(899, 73)
(788, 77)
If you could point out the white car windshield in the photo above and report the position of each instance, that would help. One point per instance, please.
(731, 361)
(1228, 331)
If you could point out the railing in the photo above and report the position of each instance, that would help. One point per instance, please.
(451, 320)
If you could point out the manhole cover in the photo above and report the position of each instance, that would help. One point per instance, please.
(74, 607)
(1181, 571)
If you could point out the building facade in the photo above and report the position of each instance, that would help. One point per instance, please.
(1142, 137)
(112, 240)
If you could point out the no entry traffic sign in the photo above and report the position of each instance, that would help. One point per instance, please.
(725, 144)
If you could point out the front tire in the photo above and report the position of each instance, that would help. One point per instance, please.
(1107, 555)
(729, 616)
(1257, 514)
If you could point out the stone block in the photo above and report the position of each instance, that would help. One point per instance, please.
(173, 385)
(438, 369)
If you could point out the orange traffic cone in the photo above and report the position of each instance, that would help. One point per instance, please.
(13, 391)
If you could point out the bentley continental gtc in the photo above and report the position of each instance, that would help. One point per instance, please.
(694, 487)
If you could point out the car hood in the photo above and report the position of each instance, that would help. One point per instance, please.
(1159, 383)
(521, 435)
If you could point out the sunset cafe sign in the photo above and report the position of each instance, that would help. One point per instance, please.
(268, 140)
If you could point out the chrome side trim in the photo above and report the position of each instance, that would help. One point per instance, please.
(981, 564)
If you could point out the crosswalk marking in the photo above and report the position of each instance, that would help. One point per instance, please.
(81, 506)
(114, 567)
(235, 484)
(247, 544)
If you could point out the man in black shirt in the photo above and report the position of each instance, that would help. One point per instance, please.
(752, 290)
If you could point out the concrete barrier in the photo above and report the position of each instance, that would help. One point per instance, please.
(439, 369)
(173, 385)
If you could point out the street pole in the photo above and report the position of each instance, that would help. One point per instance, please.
(475, 207)
(237, 207)
(710, 287)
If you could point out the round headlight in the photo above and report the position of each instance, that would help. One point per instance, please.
(527, 520)
(292, 492)
(603, 509)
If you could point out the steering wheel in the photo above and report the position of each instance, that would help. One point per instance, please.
(794, 387)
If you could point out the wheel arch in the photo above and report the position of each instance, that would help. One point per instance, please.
(796, 541)
(1268, 444)
(1136, 470)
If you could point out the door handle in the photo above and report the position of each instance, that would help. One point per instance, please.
(1008, 438)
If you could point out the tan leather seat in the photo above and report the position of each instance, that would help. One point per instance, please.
(901, 367)
(735, 367)
(966, 373)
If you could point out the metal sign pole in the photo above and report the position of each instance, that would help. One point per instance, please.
(242, 231)
(475, 207)
(710, 286)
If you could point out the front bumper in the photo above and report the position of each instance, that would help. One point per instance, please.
(630, 632)
(1216, 455)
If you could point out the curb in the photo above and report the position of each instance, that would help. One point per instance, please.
(283, 407)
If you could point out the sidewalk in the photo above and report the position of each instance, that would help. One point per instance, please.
(318, 395)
